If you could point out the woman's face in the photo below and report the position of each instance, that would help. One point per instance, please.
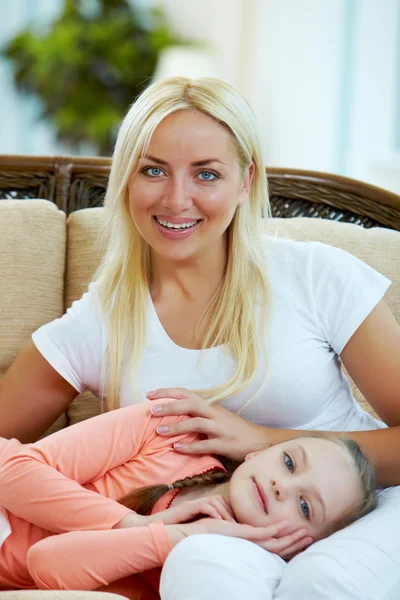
(309, 482)
(188, 186)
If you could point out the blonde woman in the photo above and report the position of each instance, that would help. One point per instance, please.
(192, 295)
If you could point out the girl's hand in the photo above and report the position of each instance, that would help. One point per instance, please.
(227, 433)
(265, 537)
(132, 519)
(215, 507)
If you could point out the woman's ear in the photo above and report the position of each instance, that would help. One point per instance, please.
(246, 185)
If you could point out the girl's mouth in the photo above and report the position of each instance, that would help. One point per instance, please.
(260, 496)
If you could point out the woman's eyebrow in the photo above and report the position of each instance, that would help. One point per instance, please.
(197, 163)
(306, 464)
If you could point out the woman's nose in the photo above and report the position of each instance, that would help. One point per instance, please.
(177, 197)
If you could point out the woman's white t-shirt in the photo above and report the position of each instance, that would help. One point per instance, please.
(320, 296)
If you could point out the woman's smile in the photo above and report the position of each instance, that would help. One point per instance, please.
(176, 228)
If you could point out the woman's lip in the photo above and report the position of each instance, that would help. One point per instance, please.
(262, 494)
(176, 220)
(175, 234)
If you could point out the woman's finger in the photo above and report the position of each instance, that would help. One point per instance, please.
(212, 446)
(195, 425)
(180, 407)
(176, 393)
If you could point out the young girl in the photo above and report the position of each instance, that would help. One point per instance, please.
(85, 482)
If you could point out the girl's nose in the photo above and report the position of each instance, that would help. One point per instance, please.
(279, 490)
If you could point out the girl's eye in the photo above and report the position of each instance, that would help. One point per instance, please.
(304, 508)
(153, 171)
(288, 462)
(207, 176)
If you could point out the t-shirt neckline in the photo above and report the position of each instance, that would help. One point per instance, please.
(170, 342)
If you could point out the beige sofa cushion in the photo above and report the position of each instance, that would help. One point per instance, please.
(83, 257)
(378, 247)
(32, 262)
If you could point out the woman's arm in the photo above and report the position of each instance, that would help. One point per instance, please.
(42, 482)
(372, 359)
(32, 396)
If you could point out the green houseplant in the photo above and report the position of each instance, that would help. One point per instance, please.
(89, 68)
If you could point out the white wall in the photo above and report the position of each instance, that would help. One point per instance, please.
(375, 95)
(295, 84)
(218, 24)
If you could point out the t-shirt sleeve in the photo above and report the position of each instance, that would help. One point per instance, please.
(74, 343)
(345, 291)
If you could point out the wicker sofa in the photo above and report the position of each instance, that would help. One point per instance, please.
(50, 218)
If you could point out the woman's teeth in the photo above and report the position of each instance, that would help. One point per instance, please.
(175, 225)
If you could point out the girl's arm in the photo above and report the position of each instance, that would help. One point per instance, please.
(86, 560)
(42, 482)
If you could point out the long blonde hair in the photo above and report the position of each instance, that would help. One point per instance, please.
(124, 274)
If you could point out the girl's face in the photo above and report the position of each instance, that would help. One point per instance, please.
(309, 482)
(188, 187)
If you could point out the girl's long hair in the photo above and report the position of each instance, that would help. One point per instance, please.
(237, 311)
(144, 499)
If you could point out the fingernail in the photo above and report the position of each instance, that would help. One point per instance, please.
(162, 429)
(156, 410)
(178, 446)
(151, 393)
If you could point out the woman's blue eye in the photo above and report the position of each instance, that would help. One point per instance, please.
(208, 176)
(304, 508)
(288, 462)
(153, 171)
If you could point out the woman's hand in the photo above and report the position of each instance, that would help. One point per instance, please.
(227, 433)
(215, 507)
(265, 537)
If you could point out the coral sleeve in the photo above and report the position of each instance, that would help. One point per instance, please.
(87, 560)
(42, 482)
